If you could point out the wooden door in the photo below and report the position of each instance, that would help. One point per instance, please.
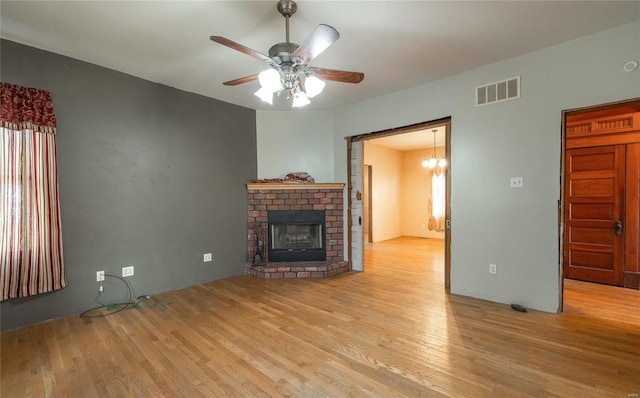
(594, 203)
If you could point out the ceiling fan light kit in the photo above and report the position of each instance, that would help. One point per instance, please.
(289, 71)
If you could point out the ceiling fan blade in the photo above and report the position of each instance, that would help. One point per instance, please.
(318, 41)
(239, 47)
(241, 80)
(337, 75)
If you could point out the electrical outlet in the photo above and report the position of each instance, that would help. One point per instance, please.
(493, 269)
(517, 182)
(127, 271)
(207, 257)
(99, 276)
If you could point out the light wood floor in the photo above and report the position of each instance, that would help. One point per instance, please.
(391, 331)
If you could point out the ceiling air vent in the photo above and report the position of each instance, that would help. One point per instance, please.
(498, 91)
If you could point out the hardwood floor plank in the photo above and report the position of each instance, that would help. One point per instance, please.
(391, 331)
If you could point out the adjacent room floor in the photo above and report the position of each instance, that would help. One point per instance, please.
(391, 331)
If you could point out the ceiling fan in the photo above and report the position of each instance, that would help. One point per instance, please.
(289, 71)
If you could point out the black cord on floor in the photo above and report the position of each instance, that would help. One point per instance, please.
(141, 302)
(125, 305)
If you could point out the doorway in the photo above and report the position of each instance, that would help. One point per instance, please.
(601, 190)
(363, 195)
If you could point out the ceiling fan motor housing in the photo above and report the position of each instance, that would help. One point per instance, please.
(281, 53)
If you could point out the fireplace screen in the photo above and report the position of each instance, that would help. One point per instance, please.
(296, 235)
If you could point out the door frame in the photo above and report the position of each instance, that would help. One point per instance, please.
(368, 188)
(446, 122)
(561, 201)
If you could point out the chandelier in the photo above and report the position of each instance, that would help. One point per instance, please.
(298, 84)
(433, 162)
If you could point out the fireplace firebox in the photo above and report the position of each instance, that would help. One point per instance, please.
(296, 235)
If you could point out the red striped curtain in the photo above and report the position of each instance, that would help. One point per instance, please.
(30, 234)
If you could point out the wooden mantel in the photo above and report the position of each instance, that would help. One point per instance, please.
(294, 185)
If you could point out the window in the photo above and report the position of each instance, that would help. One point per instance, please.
(437, 201)
(30, 232)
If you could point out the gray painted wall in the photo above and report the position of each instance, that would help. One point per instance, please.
(149, 176)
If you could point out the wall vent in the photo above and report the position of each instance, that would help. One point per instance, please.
(498, 91)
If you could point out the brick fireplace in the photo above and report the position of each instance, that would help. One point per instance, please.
(269, 198)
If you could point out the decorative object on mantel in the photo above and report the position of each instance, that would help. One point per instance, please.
(268, 181)
(299, 177)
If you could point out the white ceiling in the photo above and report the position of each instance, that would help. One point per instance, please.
(397, 44)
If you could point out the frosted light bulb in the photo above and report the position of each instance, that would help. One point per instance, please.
(265, 95)
(300, 99)
(270, 80)
(313, 86)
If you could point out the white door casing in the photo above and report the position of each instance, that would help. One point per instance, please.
(357, 187)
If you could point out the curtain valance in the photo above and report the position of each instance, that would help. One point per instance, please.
(26, 108)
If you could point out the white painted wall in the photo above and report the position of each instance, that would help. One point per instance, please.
(517, 229)
(386, 191)
(295, 141)
(514, 228)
